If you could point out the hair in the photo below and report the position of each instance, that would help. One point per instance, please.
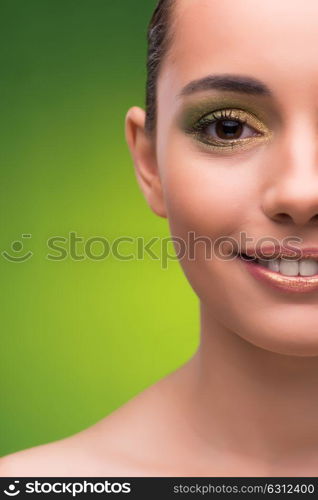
(158, 36)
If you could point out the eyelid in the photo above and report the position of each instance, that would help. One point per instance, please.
(261, 108)
(228, 146)
(233, 114)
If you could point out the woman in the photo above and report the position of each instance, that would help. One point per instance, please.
(227, 148)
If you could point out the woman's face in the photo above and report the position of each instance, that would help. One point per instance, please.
(225, 180)
(255, 173)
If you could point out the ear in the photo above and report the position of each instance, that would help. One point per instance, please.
(142, 149)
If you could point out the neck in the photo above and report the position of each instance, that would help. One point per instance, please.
(252, 402)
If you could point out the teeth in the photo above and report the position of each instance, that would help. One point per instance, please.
(303, 267)
(308, 267)
(273, 265)
(288, 267)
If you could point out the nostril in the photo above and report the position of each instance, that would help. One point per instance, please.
(286, 218)
(282, 217)
(314, 218)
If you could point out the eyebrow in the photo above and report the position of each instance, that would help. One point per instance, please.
(232, 83)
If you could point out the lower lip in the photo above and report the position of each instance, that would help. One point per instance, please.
(290, 284)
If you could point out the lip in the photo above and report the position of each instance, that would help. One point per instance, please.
(280, 251)
(289, 284)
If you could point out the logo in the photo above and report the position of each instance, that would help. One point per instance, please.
(17, 248)
(12, 490)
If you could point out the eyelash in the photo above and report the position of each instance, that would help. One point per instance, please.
(237, 115)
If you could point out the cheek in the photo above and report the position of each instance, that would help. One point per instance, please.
(213, 197)
(205, 194)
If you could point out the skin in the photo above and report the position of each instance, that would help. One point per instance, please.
(246, 403)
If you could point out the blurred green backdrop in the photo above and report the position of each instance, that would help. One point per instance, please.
(78, 337)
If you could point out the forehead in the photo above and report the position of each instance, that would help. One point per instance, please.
(273, 40)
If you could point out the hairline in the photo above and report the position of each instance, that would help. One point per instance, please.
(164, 55)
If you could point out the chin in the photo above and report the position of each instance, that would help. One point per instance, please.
(291, 334)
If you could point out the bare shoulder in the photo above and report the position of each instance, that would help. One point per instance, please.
(70, 457)
(39, 460)
(134, 440)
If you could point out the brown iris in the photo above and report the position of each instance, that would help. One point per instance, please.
(228, 129)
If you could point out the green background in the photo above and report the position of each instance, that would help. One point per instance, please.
(78, 337)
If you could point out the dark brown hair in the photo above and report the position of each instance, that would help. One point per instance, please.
(158, 41)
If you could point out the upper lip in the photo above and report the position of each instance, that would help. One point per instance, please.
(278, 251)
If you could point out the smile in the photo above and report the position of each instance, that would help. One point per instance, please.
(283, 273)
(288, 267)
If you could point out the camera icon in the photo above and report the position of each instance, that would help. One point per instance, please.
(12, 490)
(17, 247)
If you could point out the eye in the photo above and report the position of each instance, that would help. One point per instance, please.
(229, 130)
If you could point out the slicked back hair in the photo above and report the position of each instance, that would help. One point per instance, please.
(158, 37)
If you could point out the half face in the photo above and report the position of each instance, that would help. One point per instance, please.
(236, 151)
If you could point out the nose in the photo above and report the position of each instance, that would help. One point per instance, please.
(291, 194)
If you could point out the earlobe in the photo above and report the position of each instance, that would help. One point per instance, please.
(142, 149)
